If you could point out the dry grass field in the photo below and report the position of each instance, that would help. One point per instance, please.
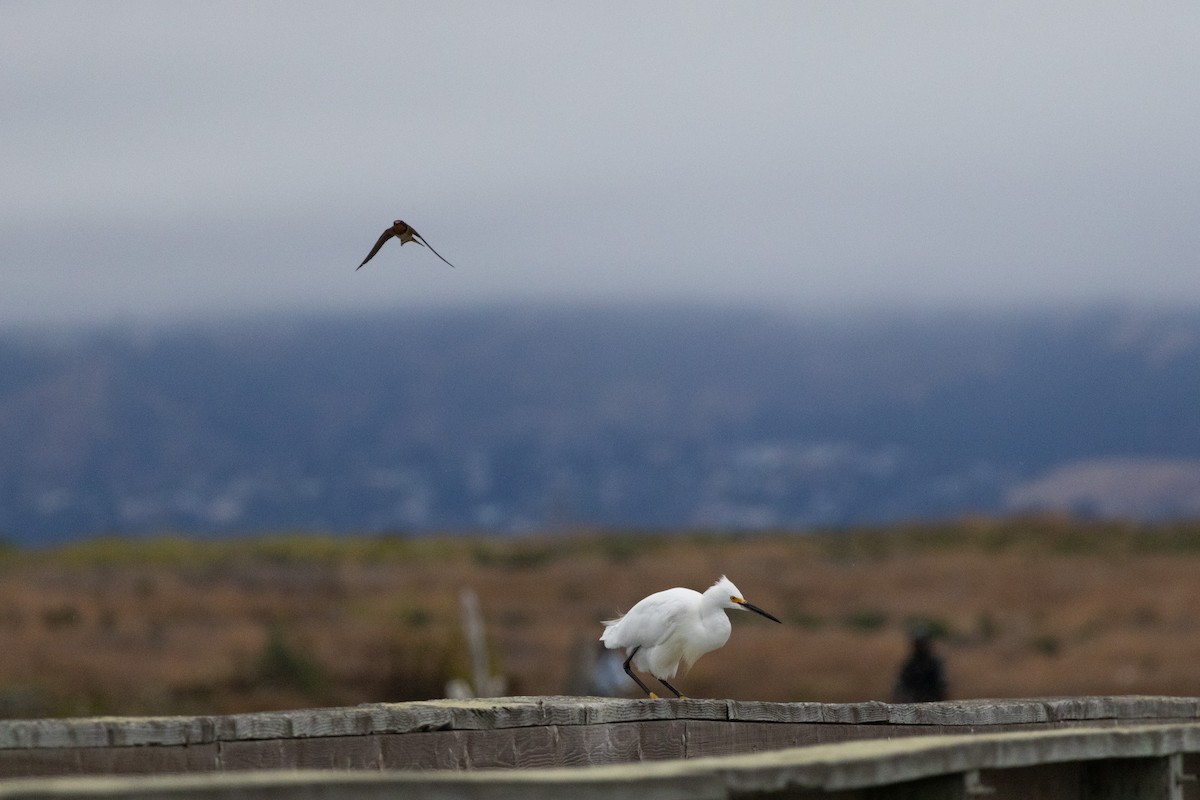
(1022, 607)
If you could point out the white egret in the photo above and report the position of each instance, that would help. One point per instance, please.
(673, 626)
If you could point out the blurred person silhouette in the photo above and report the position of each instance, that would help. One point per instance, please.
(596, 671)
(922, 677)
(608, 676)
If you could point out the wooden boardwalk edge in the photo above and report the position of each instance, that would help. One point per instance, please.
(1150, 753)
(530, 712)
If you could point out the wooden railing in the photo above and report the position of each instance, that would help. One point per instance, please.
(1100, 747)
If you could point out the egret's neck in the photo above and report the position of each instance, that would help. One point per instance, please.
(713, 604)
(713, 599)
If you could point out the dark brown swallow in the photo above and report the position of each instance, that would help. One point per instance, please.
(405, 233)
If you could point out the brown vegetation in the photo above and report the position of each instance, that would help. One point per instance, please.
(1023, 607)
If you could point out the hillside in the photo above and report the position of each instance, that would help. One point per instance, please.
(517, 420)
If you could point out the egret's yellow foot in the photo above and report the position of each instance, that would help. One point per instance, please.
(653, 696)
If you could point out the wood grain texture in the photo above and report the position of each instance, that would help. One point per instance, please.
(527, 732)
(531, 712)
(1134, 758)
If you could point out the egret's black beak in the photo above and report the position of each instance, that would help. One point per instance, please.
(756, 610)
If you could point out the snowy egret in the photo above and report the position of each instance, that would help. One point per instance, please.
(405, 233)
(673, 626)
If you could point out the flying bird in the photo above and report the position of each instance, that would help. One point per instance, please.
(675, 626)
(405, 233)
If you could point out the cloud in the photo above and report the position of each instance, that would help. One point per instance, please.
(218, 155)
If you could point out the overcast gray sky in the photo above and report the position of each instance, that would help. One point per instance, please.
(191, 158)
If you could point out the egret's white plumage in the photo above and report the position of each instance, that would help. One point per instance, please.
(674, 627)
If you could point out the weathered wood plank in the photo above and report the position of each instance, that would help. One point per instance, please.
(524, 732)
(572, 745)
(414, 751)
(321, 785)
(256, 754)
(335, 752)
(1126, 758)
(531, 712)
(109, 760)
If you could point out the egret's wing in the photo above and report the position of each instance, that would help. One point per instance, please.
(386, 235)
(652, 619)
(676, 610)
(672, 611)
(421, 240)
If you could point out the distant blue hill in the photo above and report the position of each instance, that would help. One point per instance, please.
(530, 419)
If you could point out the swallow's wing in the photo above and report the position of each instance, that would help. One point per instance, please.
(386, 235)
(421, 240)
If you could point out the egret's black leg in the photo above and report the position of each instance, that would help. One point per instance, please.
(636, 679)
(672, 688)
